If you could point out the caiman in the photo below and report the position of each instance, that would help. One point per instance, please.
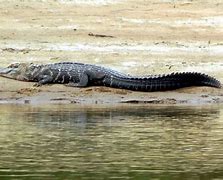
(84, 75)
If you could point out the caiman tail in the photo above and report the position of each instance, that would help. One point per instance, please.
(164, 82)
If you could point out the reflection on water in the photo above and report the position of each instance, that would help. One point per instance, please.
(68, 142)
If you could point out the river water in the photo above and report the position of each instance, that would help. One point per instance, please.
(124, 142)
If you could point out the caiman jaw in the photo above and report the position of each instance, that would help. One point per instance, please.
(10, 72)
(4, 71)
(18, 71)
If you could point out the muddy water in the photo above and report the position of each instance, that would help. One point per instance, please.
(68, 142)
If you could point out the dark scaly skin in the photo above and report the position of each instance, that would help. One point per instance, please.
(83, 75)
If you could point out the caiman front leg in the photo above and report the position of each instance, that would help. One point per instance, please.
(43, 79)
(85, 78)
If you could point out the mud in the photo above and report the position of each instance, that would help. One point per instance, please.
(136, 37)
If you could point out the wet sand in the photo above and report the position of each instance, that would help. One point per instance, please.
(135, 37)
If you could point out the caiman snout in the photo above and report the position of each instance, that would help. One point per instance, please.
(5, 70)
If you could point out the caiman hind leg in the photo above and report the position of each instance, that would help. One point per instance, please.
(82, 83)
(86, 78)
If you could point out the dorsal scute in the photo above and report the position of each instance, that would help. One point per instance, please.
(75, 63)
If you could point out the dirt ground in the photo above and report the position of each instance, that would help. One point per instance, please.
(136, 37)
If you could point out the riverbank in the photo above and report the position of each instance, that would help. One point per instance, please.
(133, 37)
(16, 92)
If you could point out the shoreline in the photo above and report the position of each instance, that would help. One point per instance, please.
(18, 92)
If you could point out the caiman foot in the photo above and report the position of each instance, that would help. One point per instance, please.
(40, 84)
(37, 84)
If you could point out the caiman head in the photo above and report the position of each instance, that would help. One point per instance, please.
(19, 71)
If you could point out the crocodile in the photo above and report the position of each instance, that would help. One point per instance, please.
(83, 75)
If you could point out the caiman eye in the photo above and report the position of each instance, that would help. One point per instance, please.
(14, 65)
